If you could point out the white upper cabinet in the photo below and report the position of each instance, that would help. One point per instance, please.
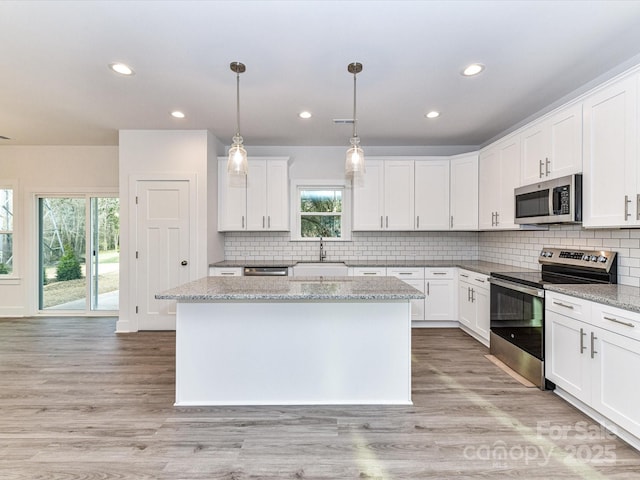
(610, 180)
(432, 195)
(383, 198)
(499, 175)
(257, 202)
(463, 202)
(552, 148)
(398, 195)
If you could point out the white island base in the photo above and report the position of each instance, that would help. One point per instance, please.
(293, 352)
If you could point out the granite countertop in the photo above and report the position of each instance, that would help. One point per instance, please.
(477, 266)
(293, 288)
(620, 296)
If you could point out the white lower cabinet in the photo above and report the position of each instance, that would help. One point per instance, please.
(225, 271)
(414, 276)
(473, 304)
(595, 357)
(440, 290)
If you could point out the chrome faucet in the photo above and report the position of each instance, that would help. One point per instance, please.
(323, 254)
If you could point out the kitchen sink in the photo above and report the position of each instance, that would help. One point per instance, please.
(322, 269)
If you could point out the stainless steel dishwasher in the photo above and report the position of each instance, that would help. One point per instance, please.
(266, 271)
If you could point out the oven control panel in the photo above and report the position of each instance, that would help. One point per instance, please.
(597, 259)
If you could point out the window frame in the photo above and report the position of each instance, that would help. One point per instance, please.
(13, 186)
(298, 185)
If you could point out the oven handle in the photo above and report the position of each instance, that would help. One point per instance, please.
(536, 292)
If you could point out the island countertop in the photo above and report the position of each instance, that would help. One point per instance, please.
(292, 288)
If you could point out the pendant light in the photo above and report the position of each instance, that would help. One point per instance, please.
(237, 163)
(355, 156)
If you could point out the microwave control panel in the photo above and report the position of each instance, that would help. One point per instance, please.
(562, 200)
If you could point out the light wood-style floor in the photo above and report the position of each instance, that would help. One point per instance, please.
(80, 402)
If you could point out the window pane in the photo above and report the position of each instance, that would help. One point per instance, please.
(6, 210)
(321, 201)
(6, 253)
(328, 226)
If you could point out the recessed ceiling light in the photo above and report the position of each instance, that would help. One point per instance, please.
(122, 69)
(473, 69)
(433, 114)
(304, 114)
(177, 114)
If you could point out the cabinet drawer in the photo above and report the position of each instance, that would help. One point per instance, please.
(616, 320)
(369, 272)
(479, 280)
(568, 306)
(405, 272)
(225, 271)
(442, 273)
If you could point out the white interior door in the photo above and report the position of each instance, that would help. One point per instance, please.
(163, 253)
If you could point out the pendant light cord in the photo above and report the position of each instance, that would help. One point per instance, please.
(354, 106)
(238, 103)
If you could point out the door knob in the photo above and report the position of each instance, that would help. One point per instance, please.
(184, 263)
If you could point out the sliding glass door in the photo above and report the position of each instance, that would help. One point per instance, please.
(79, 253)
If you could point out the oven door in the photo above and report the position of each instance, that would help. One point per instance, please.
(517, 315)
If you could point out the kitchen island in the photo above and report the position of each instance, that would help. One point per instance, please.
(293, 340)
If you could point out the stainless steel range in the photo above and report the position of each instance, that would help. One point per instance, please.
(517, 304)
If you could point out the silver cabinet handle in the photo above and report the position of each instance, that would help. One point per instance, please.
(444, 273)
(593, 340)
(560, 304)
(369, 273)
(452, 219)
(473, 298)
(546, 168)
(463, 275)
(418, 221)
(404, 273)
(497, 221)
(427, 288)
(540, 170)
(626, 207)
(242, 221)
(269, 221)
(263, 221)
(582, 335)
(387, 219)
(638, 207)
(493, 214)
(231, 274)
(381, 224)
(479, 280)
(468, 294)
(615, 320)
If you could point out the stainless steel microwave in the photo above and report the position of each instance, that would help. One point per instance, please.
(551, 201)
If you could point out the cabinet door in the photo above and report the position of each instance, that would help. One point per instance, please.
(489, 185)
(609, 148)
(535, 153)
(232, 199)
(509, 180)
(399, 195)
(464, 192)
(417, 305)
(481, 301)
(466, 309)
(567, 354)
(368, 198)
(277, 195)
(565, 143)
(440, 302)
(432, 195)
(614, 395)
(257, 195)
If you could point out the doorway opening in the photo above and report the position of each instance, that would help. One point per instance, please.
(79, 253)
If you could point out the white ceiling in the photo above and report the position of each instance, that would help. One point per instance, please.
(56, 89)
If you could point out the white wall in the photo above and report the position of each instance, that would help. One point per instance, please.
(46, 169)
(158, 155)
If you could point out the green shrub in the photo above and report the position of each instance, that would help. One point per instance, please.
(68, 265)
(3, 269)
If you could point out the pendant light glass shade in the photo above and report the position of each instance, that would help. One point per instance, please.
(237, 163)
(355, 158)
(355, 155)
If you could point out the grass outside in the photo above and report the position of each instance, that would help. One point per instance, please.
(56, 293)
